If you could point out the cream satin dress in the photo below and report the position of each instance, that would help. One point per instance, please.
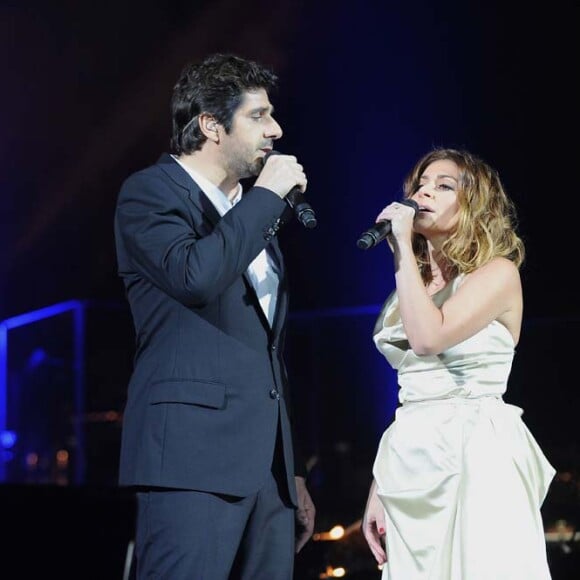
(460, 475)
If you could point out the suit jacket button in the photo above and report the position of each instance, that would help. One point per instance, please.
(274, 394)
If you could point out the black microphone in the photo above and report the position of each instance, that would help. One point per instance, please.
(295, 199)
(381, 229)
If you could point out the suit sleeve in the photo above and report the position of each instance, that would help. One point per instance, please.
(169, 241)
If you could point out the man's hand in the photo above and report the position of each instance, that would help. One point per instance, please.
(305, 514)
(373, 525)
(281, 173)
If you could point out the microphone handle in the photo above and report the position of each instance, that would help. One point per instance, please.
(295, 199)
(381, 229)
(302, 209)
(374, 235)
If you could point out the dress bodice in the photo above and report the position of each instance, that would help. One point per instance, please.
(478, 366)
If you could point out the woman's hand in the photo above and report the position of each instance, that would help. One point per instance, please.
(373, 525)
(401, 218)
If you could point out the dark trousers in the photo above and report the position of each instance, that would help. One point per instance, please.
(192, 535)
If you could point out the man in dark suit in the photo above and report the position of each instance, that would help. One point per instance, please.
(207, 439)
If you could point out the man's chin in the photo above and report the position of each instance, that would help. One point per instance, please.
(255, 168)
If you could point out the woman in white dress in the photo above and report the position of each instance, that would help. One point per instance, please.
(458, 478)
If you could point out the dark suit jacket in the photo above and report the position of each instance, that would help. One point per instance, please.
(209, 382)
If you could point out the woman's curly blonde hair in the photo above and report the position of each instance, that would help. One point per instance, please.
(487, 217)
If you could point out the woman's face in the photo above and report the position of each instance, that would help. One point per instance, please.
(438, 199)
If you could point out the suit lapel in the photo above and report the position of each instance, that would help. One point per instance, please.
(177, 174)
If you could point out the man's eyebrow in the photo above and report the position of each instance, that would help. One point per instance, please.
(262, 110)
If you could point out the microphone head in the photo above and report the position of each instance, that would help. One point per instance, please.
(411, 203)
(269, 154)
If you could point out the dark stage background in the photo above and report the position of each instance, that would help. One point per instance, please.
(366, 88)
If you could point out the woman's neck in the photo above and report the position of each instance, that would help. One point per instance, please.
(441, 271)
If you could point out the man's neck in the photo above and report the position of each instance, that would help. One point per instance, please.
(212, 171)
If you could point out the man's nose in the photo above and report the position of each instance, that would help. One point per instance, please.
(274, 130)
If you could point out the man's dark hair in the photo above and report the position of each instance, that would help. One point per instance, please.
(214, 86)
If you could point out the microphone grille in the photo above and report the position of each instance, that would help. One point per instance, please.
(411, 203)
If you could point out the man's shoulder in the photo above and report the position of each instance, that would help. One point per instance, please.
(164, 169)
(160, 167)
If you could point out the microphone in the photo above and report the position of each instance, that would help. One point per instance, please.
(295, 199)
(381, 229)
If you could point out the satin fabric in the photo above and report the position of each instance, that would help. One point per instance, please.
(460, 476)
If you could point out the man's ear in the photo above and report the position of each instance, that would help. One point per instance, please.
(209, 127)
